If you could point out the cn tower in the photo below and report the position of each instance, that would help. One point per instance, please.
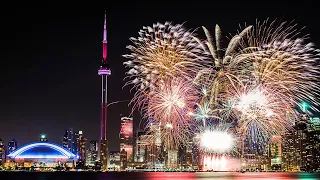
(104, 72)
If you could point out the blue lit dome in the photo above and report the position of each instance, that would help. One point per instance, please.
(42, 150)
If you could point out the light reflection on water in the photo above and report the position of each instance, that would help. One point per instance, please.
(157, 176)
(232, 176)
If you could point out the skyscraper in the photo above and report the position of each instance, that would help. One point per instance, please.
(294, 146)
(126, 136)
(275, 152)
(92, 153)
(2, 152)
(104, 72)
(75, 142)
(12, 145)
(67, 139)
(141, 147)
(82, 148)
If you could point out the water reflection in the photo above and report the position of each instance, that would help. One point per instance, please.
(231, 176)
(158, 176)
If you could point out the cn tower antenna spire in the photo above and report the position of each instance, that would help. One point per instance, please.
(104, 60)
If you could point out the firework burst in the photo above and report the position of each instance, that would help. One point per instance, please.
(261, 112)
(255, 83)
(169, 105)
(282, 60)
(162, 51)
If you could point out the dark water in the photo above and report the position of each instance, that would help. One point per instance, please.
(157, 176)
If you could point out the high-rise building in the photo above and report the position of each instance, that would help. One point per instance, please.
(294, 147)
(12, 146)
(313, 151)
(155, 154)
(67, 139)
(82, 148)
(43, 138)
(126, 136)
(123, 159)
(92, 155)
(93, 146)
(2, 152)
(115, 160)
(185, 155)
(275, 152)
(104, 72)
(313, 145)
(172, 158)
(254, 153)
(141, 147)
(196, 158)
(75, 142)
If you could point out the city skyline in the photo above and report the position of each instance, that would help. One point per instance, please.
(54, 85)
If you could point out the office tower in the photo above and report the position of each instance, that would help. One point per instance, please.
(67, 139)
(141, 147)
(115, 160)
(185, 155)
(43, 138)
(123, 159)
(82, 148)
(294, 147)
(92, 155)
(126, 136)
(75, 142)
(2, 152)
(275, 152)
(313, 145)
(12, 146)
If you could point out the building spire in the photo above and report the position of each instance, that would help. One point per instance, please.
(104, 61)
(105, 27)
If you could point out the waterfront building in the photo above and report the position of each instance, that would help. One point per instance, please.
(2, 152)
(12, 146)
(67, 139)
(126, 137)
(115, 161)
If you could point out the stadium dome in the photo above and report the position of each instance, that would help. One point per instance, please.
(42, 150)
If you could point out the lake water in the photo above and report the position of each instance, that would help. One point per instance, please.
(158, 176)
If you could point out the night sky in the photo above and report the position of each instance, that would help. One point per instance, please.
(50, 57)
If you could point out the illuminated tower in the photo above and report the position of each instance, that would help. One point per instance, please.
(104, 72)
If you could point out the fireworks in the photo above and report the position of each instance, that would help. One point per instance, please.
(282, 60)
(226, 68)
(254, 83)
(261, 112)
(216, 141)
(163, 51)
(169, 106)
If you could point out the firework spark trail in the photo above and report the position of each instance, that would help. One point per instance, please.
(283, 60)
(162, 51)
(270, 57)
(169, 106)
(261, 112)
(225, 69)
(255, 82)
